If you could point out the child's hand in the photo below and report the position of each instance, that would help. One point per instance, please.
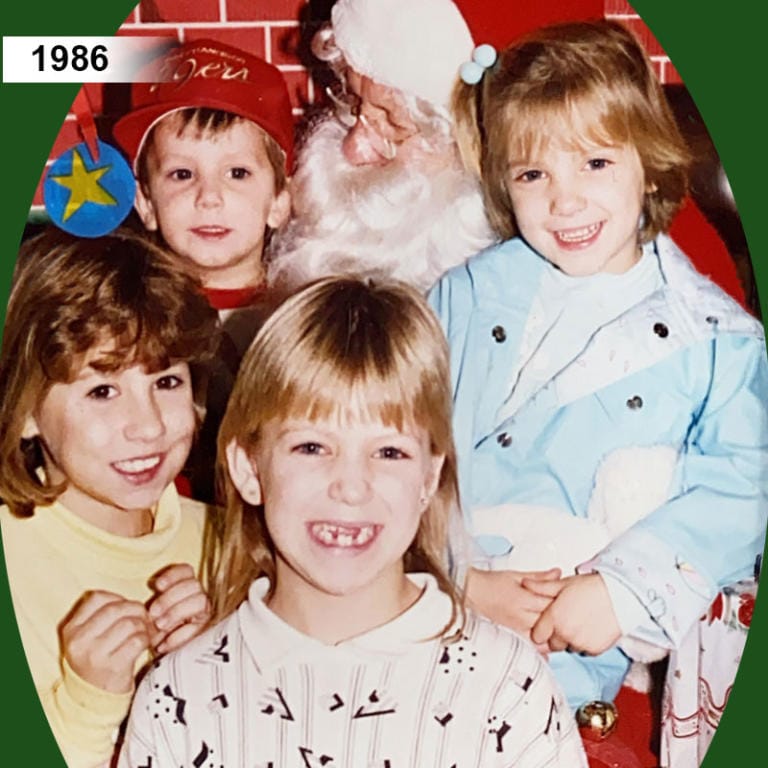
(581, 616)
(180, 609)
(501, 596)
(102, 639)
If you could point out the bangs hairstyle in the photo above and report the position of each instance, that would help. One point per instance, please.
(206, 123)
(343, 347)
(578, 85)
(71, 295)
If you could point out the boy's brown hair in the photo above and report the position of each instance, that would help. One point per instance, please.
(338, 337)
(205, 122)
(577, 83)
(70, 295)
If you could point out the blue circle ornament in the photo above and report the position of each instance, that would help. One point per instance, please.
(87, 197)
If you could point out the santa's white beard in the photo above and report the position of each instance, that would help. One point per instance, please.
(379, 221)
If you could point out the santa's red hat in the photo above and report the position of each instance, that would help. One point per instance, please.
(418, 46)
(501, 23)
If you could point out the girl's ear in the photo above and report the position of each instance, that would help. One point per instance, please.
(243, 473)
(30, 428)
(145, 208)
(279, 210)
(432, 480)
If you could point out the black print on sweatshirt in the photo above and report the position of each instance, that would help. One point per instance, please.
(163, 705)
(552, 714)
(204, 754)
(456, 654)
(221, 653)
(500, 732)
(375, 707)
(276, 703)
(334, 702)
(311, 762)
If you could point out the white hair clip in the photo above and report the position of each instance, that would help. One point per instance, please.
(484, 56)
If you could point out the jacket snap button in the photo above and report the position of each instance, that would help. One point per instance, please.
(499, 333)
(661, 330)
(504, 440)
(635, 402)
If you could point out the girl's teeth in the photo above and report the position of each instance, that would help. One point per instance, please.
(343, 536)
(138, 465)
(575, 235)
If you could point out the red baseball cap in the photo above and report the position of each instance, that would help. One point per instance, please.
(207, 73)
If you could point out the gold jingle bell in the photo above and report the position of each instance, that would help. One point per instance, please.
(596, 719)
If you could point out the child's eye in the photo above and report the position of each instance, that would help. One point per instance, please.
(181, 174)
(169, 381)
(390, 452)
(240, 173)
(102, 392)
(308, 449)
(528, 176)
(598, 163)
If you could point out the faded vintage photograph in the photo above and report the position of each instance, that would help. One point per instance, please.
(384, 385)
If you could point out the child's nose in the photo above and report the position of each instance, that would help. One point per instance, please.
(351, 482)
(144, 419)
(209, 193)
(567, 198)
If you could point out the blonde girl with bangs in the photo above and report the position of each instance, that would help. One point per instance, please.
(341, 639)
(101, 368)
(609, 400)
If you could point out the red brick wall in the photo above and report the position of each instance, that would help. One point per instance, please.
(270, 28)
(622, 11)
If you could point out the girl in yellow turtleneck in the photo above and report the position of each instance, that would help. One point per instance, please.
(99, 375)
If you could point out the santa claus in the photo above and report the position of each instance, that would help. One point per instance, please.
(379, 187)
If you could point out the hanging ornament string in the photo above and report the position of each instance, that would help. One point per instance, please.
(81, 107)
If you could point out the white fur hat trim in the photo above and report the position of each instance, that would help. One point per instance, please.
(416, 46)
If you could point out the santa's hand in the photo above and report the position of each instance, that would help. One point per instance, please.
(579, 618)
(501, 596)
(180, 609)
(103, 638)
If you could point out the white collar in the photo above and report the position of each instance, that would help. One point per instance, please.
(272, 641)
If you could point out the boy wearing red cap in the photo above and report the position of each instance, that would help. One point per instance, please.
(211, 143)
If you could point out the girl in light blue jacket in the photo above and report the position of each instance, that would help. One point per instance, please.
(590, 358)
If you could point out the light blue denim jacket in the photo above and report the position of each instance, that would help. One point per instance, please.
(691, 373)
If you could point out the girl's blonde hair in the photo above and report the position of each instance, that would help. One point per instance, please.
(338, 338)
(70, 295)
(576, 84)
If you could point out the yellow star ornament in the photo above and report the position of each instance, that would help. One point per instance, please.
(83, 186)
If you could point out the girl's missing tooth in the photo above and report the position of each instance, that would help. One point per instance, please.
(348, 642)
(104, 345)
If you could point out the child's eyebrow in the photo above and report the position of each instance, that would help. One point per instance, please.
(522, 164)
(89, 370)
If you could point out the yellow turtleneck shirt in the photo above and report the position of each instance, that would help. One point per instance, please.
(52, 559)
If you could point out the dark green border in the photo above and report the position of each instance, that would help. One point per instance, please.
(30, 116)
(720, 56)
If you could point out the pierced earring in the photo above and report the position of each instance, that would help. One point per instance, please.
(423, 500)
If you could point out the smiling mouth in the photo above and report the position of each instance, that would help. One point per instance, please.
(578, 235)
(140, 470)
(343, 536)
